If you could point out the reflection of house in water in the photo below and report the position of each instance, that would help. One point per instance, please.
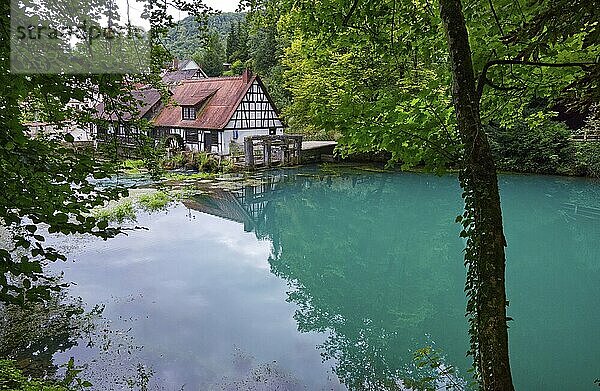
(246, 205)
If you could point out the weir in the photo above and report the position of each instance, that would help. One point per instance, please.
(285, 150)
(267, 151)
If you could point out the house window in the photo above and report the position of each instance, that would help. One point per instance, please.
(272, 131)
(191, 135)
(188, 112)
(236, 134)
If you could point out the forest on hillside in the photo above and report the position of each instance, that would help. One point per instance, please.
(188, 36)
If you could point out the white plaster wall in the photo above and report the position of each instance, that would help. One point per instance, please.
(79, 134)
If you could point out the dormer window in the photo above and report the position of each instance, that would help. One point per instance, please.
(188, 112)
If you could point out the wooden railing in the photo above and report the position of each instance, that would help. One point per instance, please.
(586, 136)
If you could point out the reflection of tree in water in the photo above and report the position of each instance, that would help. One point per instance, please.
(368, 264)
(371, 259)
(252, 376)
(33, 334)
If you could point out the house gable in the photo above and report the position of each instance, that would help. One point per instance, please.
(255, 111)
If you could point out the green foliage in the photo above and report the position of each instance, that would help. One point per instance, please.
(42, 182)
(588, 159)
(45, 182)
(32, 334)
(212, 56)
(237, 42)
(176, 161)
(118, 213)
(152, 154)
(226, 166)
(265, 50)
(200, 161)
(344, 91)
(154, 201)
(208, 163)
(142, 378)
(545, 148)
(588, 153)
(183, 177)
(378, 74)
(12, 379)
(237, 68)
(126, 210)
(431, 373)
(130, 166)
(377, 79)
(188, 36)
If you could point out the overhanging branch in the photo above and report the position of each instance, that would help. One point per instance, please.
(350, 13)
(484, 80)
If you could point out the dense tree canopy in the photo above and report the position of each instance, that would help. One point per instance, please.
(212, 56)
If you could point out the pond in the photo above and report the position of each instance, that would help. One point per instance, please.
(322, 279)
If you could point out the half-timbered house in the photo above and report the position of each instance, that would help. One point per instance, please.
(216, 114)
(206, 114)
(148, 104)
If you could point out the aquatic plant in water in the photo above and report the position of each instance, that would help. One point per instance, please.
(153, 202)
(119, 213)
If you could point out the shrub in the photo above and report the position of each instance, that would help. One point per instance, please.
(152, 154)
(227, 166)
(207, 163)
(174, 162)
(130, 164)
(546, 149)
(588, 158)
(235, 148)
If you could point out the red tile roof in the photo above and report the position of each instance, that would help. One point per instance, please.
(174, 77)
(143, 101)
(190, 95)
(216, 99)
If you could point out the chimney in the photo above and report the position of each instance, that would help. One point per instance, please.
(246, 76)
(175, 64)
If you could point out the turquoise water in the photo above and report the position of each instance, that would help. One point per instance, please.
(320, 280)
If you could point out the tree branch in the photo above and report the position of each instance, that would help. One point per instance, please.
(484, 80)
(350, 13)
(496, 17)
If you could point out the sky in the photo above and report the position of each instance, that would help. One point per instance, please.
(136, 8)
(223, 5)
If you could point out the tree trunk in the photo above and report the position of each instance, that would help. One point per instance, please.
(485, 249)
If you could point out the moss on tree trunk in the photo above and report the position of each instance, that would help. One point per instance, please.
(485, 250)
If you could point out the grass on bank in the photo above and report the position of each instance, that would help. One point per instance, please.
(132, 166)
(182, 177)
